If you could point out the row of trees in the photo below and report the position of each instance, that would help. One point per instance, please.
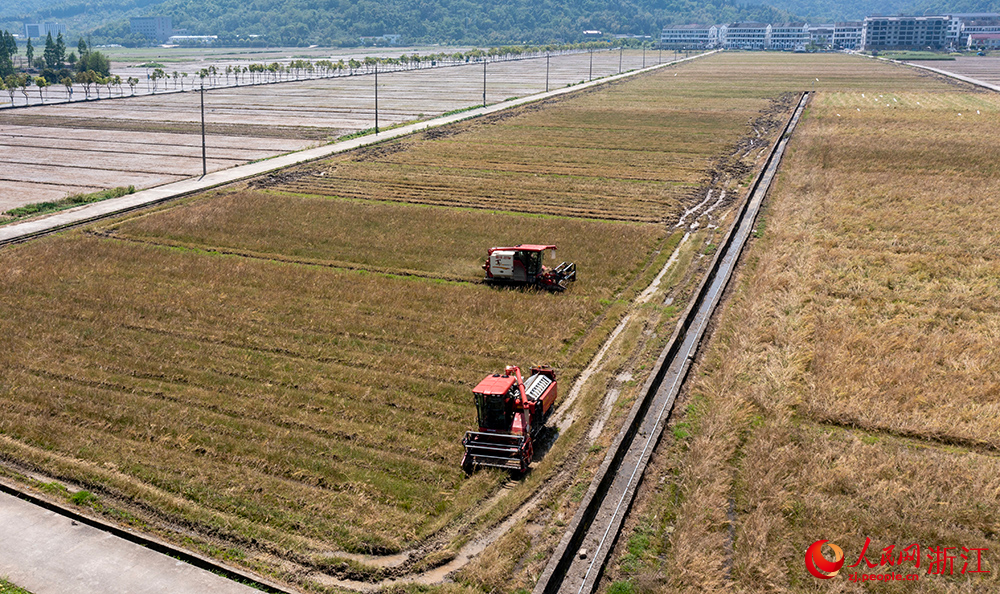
(95, 72)
(258, 73)
(89, 80)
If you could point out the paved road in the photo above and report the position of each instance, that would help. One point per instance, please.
(21, 231)
(50, 554)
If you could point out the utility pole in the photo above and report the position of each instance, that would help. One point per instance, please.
(376, 98)
(591, 64)
(484, 81)
(204, 159)
(621, 52)
(546, 73)
(644, 54)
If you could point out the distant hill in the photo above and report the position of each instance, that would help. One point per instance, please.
(816, 11)
(343, 22)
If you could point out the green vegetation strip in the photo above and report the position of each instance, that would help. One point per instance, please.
(7, 587)
(42, 208)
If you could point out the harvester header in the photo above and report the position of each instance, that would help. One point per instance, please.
(511, 414)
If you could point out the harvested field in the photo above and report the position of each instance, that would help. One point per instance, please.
(287, 402)
(851, 390)
(283, 379)
(277, 373)
(984, 68)
(437, 243)
(633, 152)
(243, 123)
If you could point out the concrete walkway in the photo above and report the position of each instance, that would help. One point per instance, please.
(48, 553)
(21, 231)
(955, 75)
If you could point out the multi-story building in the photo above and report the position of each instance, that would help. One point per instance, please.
(847, 35)
(788, 37)
(820, 36)
(159, 28)
(35, 30)
(690, 37)
(983, 41)
(745, 36)
(976, 24)
(905, 33)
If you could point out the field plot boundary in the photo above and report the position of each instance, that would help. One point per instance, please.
(961, 77)
(711, 287)
(18, 232)
(146, 541)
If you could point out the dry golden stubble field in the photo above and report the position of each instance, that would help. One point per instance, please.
(446, 243)
(851, 391)
(632, 151)
(320, 406)
(86, 146)
(279, 398)
(301, 395)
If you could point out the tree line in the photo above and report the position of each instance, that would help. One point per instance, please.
(480, 22)
(91, 69)
(92, 81)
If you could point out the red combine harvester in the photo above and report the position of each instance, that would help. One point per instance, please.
(512, 413)
(522, 265)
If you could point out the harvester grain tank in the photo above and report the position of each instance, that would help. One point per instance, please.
(522, 265)
(511, 414)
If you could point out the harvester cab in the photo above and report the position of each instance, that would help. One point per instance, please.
(522, 265)
(511, 414)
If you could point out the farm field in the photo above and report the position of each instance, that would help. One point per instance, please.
(851, 390)
(984, 68)
(279, 376)
(55, 150)
(277, 373)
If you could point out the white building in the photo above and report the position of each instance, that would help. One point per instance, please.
(788, 37)
(821, 36)
(159, 28)
(745, 36)
(690, 36)
(983, 41)
(975, 24)
(37, 30)
(847, 35)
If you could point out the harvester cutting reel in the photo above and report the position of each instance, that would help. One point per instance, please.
(511, 415)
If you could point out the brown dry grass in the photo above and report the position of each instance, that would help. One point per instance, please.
(627, 152)
(290, 409)
(325, 405)
(447, 243)
(852, 388)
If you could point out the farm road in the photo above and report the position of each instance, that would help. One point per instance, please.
(979, 70)
(50, 151)
(50, 554)
(25, 230)
(19, 567)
